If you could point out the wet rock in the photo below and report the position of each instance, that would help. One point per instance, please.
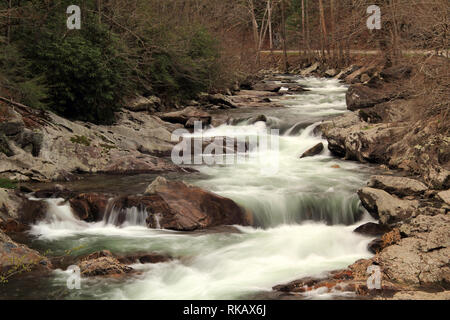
(103, 266)
(372, 229)
(399, 186)
(12, 226)
(300, 285)
(385, 207)
(317, 149)
(175, 205)
(31, 212)
(97, 255)
(260, 118)
(20, 258)
(89, 207)
(375, 246)
(144, 258)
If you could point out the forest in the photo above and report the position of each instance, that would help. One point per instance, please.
(176, 49)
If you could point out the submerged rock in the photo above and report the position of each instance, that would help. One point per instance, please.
(177, 206)
(317, 149)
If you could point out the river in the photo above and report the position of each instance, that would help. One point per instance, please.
(305, 213)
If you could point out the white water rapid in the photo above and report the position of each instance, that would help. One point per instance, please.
(305, 214)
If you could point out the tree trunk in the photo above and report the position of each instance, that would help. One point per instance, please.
(324, 36)
(283, 34)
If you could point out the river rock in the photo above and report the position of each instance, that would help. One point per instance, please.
(399, 186)
(89, 207)
(175, 205)
(220, 99)
(385, 207)
(183, 116)
(306, 72)
(444, 196)
(10, 204)
(20, 257)
(372, 229)
(317, 149)
(264, 86)
(360, 96)
(103, 266)
(423, 257)
(144, 258)
(131, 145)
(32, 211)
(330, 73)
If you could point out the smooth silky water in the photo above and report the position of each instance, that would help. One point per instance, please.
(304, 217)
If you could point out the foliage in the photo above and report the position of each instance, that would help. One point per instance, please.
(7, 184)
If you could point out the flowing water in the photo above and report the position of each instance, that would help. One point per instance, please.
(305, 213)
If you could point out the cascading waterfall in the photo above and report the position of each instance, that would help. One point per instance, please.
(305, 214)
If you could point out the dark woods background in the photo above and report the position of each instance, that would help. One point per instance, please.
(176, 49)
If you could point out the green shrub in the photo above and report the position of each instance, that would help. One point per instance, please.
(7, 184)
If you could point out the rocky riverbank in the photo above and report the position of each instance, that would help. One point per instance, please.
(412, 244)
(411, 240)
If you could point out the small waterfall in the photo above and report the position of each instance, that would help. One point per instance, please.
(117, 215)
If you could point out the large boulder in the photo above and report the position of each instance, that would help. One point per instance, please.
(18, 259)
(399, 186)
(360, 96)
(103, 266)
(175, 205)
(385, 207)
(89, 207)
(423, 256)
(32, 211)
